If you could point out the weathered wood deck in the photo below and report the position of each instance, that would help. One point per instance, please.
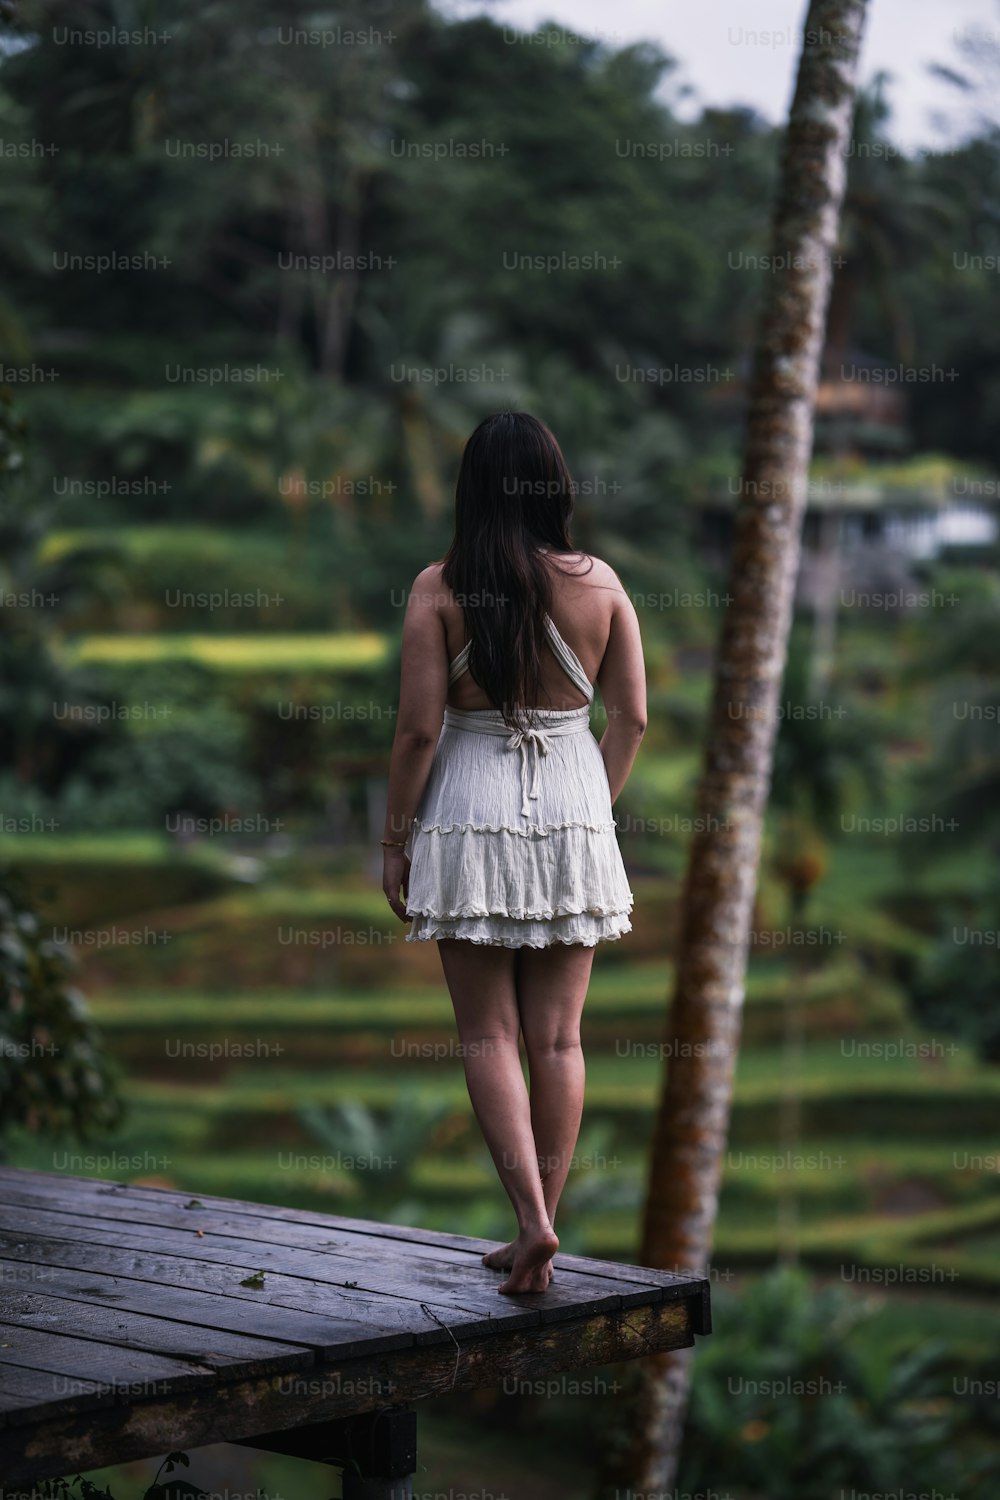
(128, 1327)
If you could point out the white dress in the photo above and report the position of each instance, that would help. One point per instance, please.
(514, 841)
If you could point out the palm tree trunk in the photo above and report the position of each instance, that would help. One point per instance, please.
(703, 1029)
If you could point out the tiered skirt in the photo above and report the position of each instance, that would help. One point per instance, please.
(514, 843)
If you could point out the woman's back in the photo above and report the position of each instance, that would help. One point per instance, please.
(584, 595)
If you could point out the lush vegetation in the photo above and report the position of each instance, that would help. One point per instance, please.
(223, 463)
(54, 1075)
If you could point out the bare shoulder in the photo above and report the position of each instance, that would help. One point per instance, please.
(601, 575)
(427, 588)
(604, 571)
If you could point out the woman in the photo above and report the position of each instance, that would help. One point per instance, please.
(499, 829)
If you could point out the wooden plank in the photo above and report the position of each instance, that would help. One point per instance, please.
(107, 1365)
(326, 1335)
(32, 1392)
(325, 1235)
(416, 1278)
(47, 1185)
(422, 1302)
(223, 1352)
(681, 1283)
(122, 1433)
(146, 1266)
(631, 1275)
(563, 1298)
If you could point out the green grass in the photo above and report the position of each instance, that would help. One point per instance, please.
(665, 778)
(628, 1085)
(353, 651)
(922, 475)
(125, 849)
(627, 991)
(212, 542)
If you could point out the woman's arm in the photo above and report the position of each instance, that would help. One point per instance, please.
(622, 684)
(423, 688)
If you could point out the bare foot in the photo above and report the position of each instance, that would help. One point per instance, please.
(502, 1259)
(532, 1267)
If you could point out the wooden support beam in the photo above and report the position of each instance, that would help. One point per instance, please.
(377, 1450)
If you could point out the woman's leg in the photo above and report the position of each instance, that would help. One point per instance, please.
(480, 979)
(551, 989)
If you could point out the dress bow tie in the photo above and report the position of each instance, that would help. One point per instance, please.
(520, 739)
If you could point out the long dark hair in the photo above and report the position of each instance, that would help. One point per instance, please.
(514, 494)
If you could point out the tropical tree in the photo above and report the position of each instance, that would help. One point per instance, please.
(702, 1033)
(889, 211)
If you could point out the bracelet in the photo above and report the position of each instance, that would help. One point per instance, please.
(393, 843)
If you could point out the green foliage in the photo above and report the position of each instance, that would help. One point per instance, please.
(190, 763)
(826, 754)
(961, 782)
(791, 1401)
(327, 479)
(54, 1076)
(139, 758)
(80, 1488)
(12, 429)
(349, 129)
(39, 691)
(955, 990)
(380, 1151)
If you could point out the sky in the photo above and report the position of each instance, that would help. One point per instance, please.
(746, 51)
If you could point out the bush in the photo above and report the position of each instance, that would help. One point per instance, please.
(791, 1401)
(956, 988)
(54, 1076)
(80, 1488)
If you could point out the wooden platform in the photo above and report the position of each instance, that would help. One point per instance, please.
(133, 1321)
